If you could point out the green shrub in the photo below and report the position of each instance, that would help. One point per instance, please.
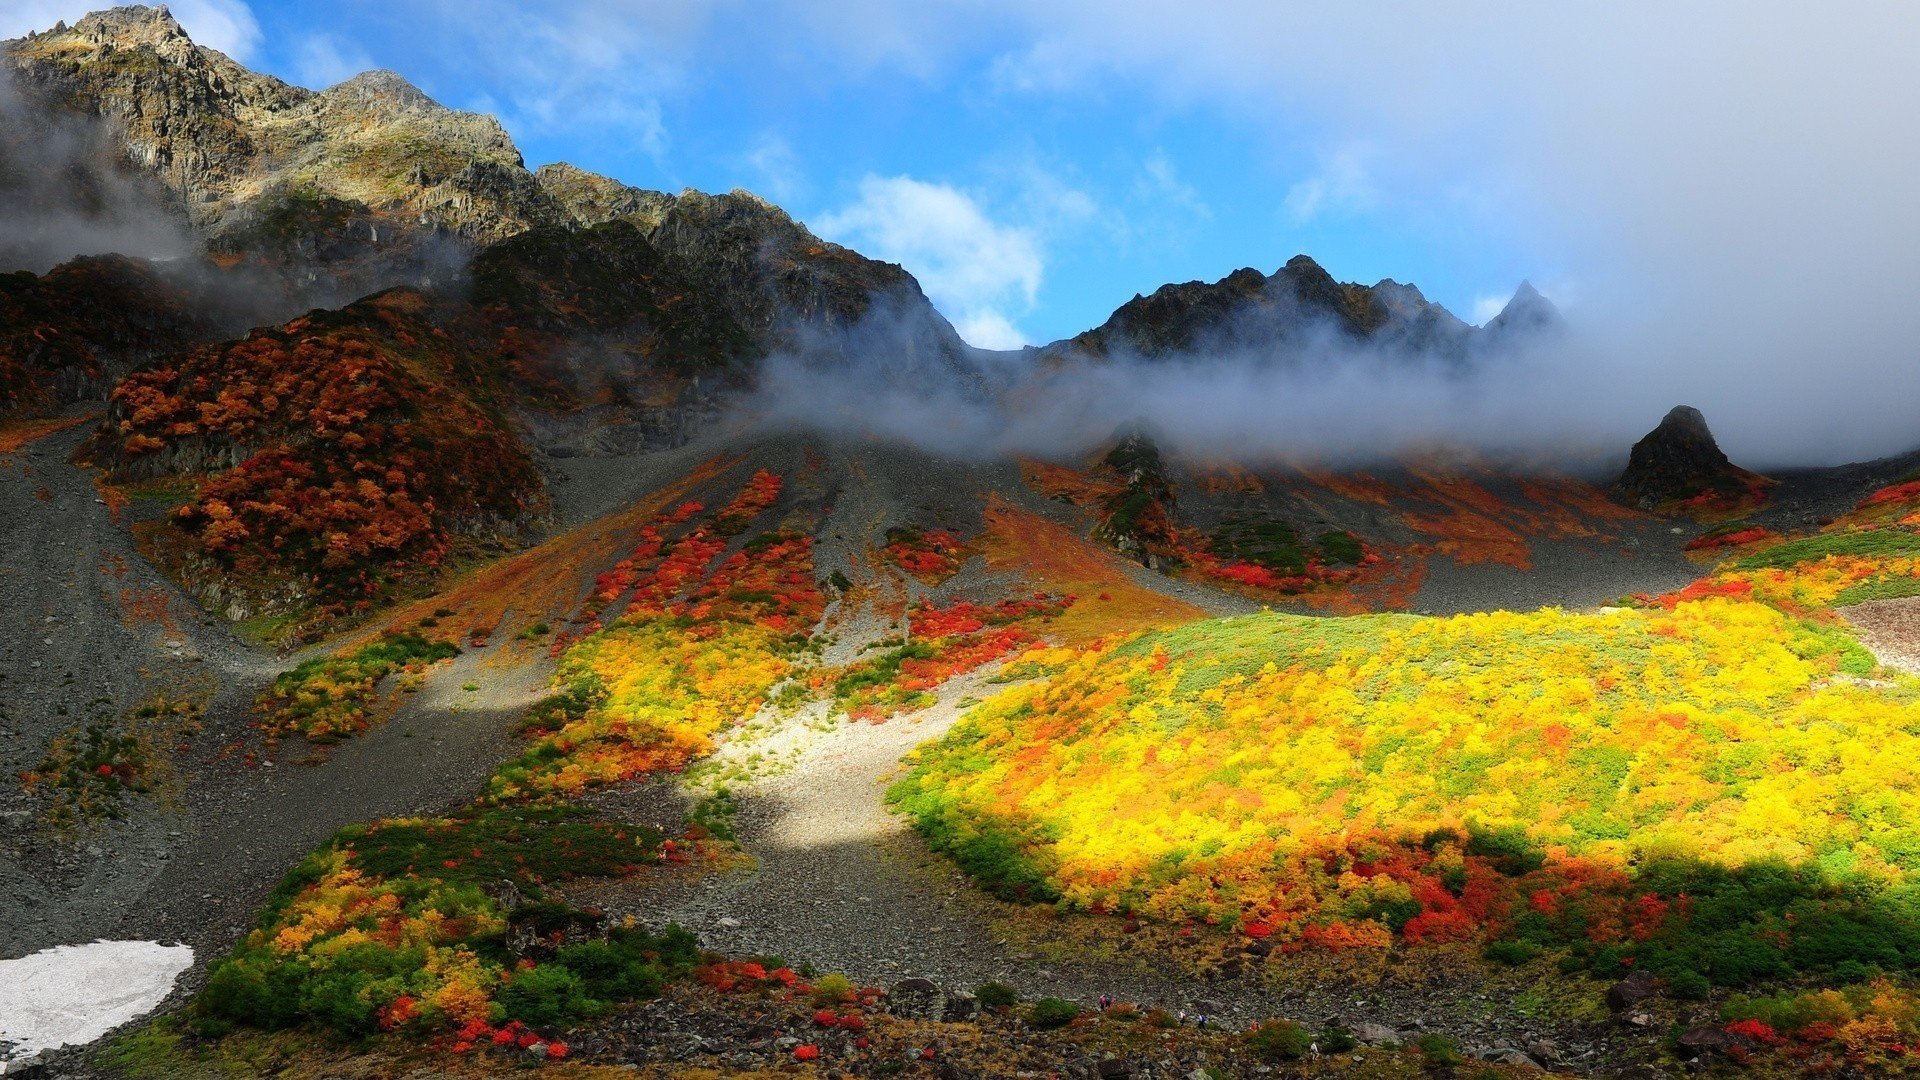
(1336, 1040)
(1507, 849)
(548, 995)
(1510, 952)
(996, 995)
(1279, 1040)
(1439, 1050)
(1341, 547)
(832, 989)
(1052, 1013)
(1689, 986)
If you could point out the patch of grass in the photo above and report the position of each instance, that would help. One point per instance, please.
(329, 697)
(90, 772)
(1262, 541)
(1870, 543)
(1341, 547)
(527, 845)
(714, 813)
(1886, 588)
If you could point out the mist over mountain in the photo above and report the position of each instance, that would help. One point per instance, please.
(329, 195)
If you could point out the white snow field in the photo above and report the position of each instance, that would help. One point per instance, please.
(73, 994)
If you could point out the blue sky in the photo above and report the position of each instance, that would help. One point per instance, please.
(1030, 199)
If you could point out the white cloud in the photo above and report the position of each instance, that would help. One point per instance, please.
(990, 330)
(1341, 186)
(324, 60)
(973, 268)
(226, 25)
(1163, 184)
(1488, 305)
(777, 168)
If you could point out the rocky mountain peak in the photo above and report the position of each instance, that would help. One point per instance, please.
(1528, 312)
(383, 89)
(134, 26)
(592, 198)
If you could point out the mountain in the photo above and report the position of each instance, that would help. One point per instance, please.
(1527, 314)
(1274, 317)
(372, 183)
(71, 333)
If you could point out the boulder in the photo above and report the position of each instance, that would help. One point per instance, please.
(1373, 1034)
(1707, 1040)
(960, 1007)
(1631, 991)
(916, 999)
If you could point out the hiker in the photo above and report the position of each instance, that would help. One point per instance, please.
(1106, 1002)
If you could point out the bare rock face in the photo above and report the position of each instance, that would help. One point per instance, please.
(592, 199)
(1680, 460)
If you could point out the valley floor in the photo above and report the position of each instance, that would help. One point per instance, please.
(834, 878)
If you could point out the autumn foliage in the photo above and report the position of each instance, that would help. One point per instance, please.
(344, 451)
(1567, 780)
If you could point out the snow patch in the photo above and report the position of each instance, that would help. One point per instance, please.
(72, 994)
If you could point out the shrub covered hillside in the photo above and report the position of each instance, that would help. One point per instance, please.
(334, 453)
(1716, 786)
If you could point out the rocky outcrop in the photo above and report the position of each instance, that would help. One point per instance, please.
(1680, 461)
(259, 166)
(1138, 519)
(592, 199)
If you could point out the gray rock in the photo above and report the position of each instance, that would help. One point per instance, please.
(1706, 1040)
(1632, 990)
(960, 1007)
(916, 999)
(1374, 1034)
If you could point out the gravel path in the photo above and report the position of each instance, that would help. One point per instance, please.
(841, 883)
(1891, 630)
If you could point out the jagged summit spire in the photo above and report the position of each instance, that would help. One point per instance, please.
(1527, 312)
